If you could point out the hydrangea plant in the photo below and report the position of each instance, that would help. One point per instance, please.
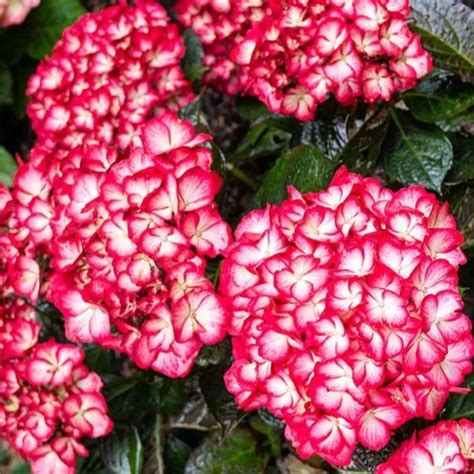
(236, 236)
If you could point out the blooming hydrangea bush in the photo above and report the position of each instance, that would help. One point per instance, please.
(107, 74)
(445, 447)
(14, 12)
(293, 54)
(343, 306)
(131, 233)
(346, 316)
(49, 400)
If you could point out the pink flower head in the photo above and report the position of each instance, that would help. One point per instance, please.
(14, 12)
(49, 402)
(447, 447)
(291, 55)
(108, 73)
(346, 314)
(37, 378)
(25, 218)
(131, 233)
(220, 25)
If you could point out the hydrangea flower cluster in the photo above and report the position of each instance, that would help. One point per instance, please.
(446, 447)
(220, 25)
(14, 12)
(49, 400)
(131, 233)
(21, 232)
(107, 74)
(298, 53)
(346, 314)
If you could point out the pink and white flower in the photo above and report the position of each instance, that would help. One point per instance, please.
(110, 71)
(446, 447)
(132, 232)
(14, 12)
(351, 323)
(291, 55)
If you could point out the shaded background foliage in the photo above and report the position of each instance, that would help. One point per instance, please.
(424, 136)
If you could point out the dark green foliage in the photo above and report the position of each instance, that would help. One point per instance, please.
(237, 453)
(192, 61)
(6, 85)
(42, 28)
(441, 98)
(122, 451)
(446, 27)
(416, 153)
(7, 167)
(461, 405)
(303, 167)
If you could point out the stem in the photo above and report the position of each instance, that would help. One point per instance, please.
(160, 467)
(239, 174)
(190, 426)
(124, 389)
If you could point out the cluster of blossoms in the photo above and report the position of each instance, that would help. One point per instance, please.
(293, 57)
(126, 225)
(21, 233)
(131, 233)
(220, 25)
(447, 447)
(49, 400)
(14, 12)
(346, 314)
(107, 74)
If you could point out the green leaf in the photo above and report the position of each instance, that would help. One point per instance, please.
(463, 167)
(252, 109)
(304, 167)
(21, 74)
(176, 455)
(447, 30)
(99, 359)
(122, 451)
(461, 199)
(219, 401)
(353, 137)
(292, 464)
(417, 154)
(129, 398)
(193, 113)
(6, 85)
(19, 467)
(271, 431)
(237, 454)
(45, 25)
(169, 395)
(213, 355)
(52, 321)
(7, 167)
(461, 406)
(329, 133)
(11, 463)
(439, 98)
(219, 164)
(192, 62)
(262, 139)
